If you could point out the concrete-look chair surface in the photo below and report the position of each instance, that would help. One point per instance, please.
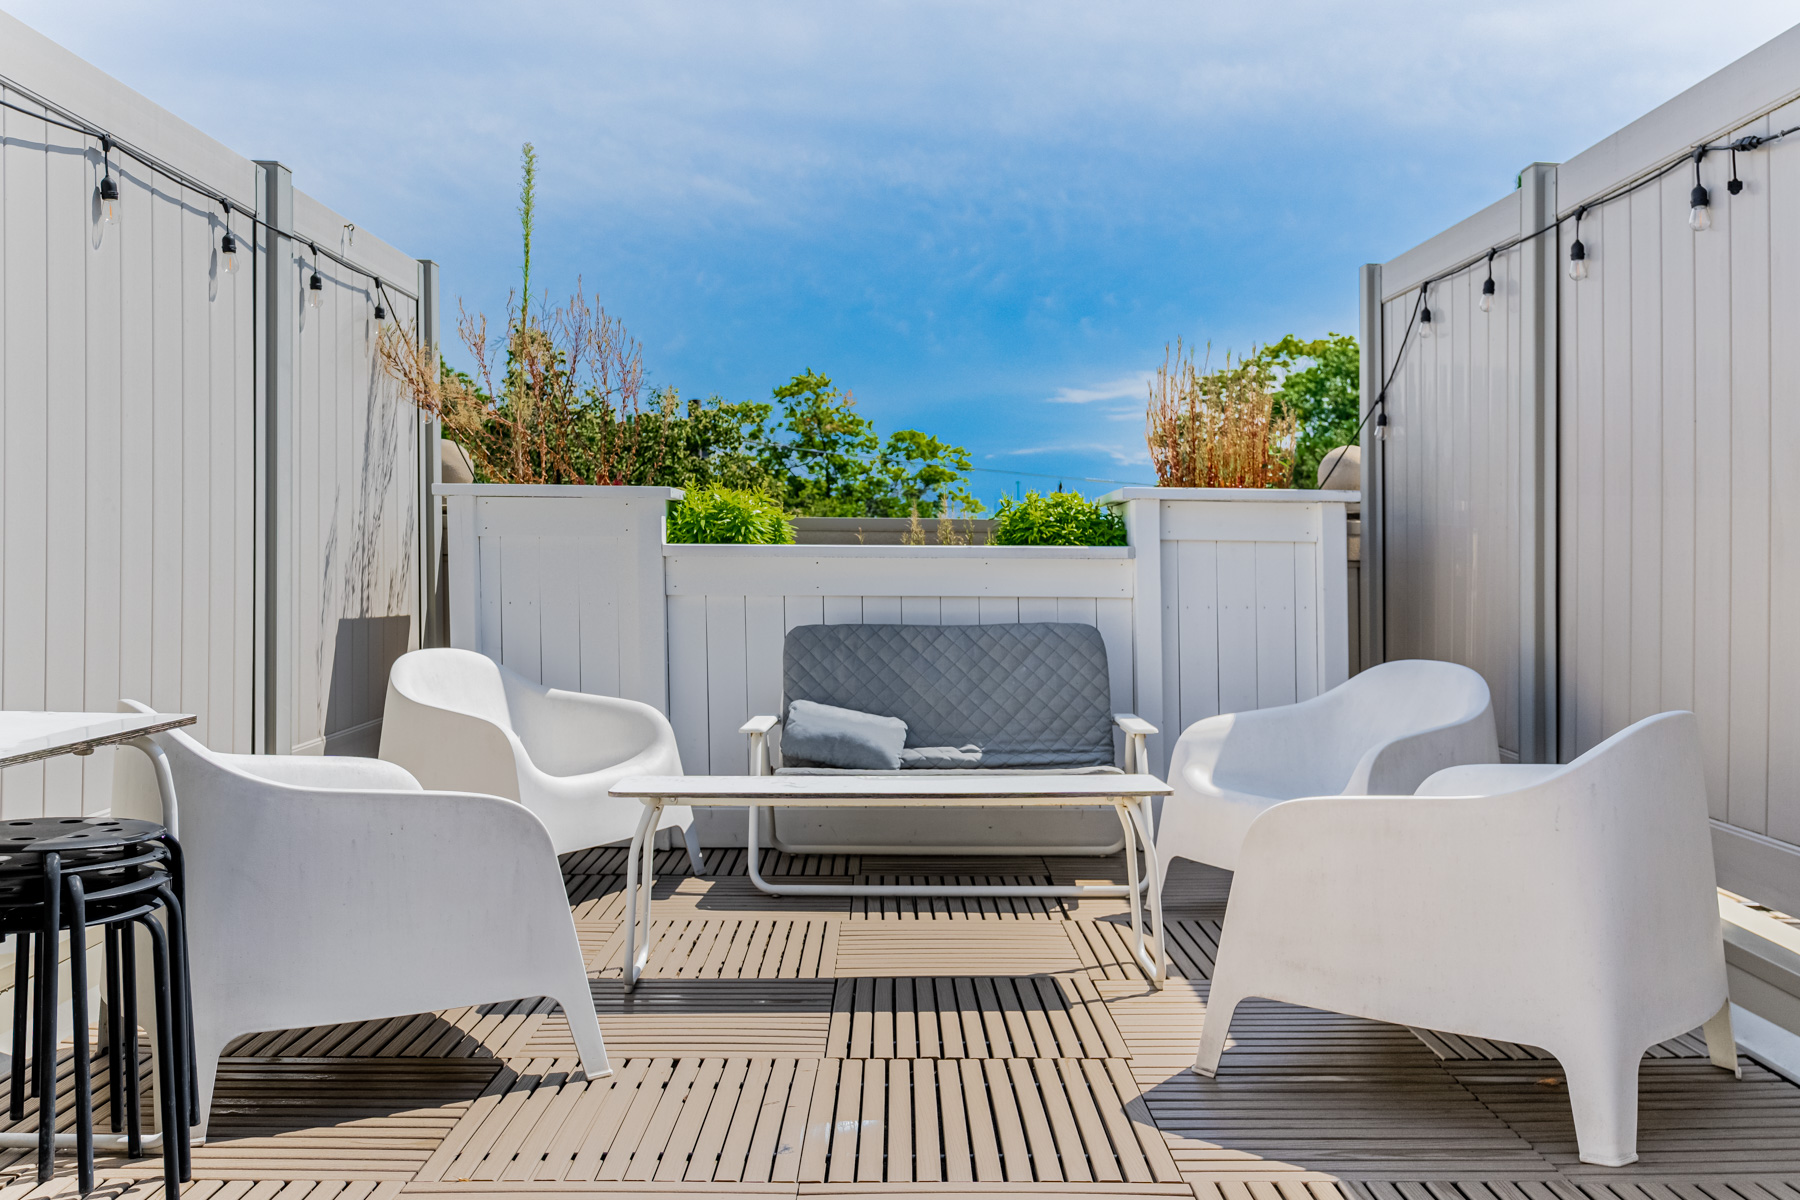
(458, 720)
(323, 890)
(1571, 908)
(1382, 732)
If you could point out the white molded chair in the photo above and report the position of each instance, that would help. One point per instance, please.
(323, 890)
(1382, 731)
(1571, 908)
(457, 719)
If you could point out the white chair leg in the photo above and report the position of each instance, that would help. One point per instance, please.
(1721, 1046)
(1220, 1004)
(577, 1003)
(696, 856)
(1603, 1092)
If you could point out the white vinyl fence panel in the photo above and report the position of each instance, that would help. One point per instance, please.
(1670, 398)
(1224, 599)
(134, 374)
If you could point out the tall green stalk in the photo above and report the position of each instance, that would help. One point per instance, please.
(527, 214)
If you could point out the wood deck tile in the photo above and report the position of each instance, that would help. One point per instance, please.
(878, 948)
(957, 908)
(727, 947)
(706, 1017)
(1032, 1016)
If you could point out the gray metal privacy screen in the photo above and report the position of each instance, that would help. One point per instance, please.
(1589, 493)
(211, 497)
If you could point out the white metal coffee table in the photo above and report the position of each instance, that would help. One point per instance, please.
(1127, 794)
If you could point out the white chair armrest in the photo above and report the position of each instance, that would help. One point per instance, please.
(1133, 725)
(759, 728)
(341, 772)
(1488, 779)
(1137, 733)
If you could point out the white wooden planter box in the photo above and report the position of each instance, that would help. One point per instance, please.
(1225, 600)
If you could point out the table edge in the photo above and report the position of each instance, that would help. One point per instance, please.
(175, 721)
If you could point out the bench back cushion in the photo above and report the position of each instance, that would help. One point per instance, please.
(1030, 695)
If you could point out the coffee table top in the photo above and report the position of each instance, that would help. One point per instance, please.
(982, 788)
(29, 736)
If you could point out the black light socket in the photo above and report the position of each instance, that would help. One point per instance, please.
(108, 189)
(1698, 198)
(1487, 287)
(228, 245)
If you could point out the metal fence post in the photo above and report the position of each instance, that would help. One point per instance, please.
(1372, 578)
(434, 622)
(1538, 285)
(279, 279)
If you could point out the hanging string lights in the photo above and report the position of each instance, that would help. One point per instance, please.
(109, 191)
(1424, 312)
(315, 287)
(1699, 200)
(1577, 252)
(228, 248)
(1487, 288)
(107, 194)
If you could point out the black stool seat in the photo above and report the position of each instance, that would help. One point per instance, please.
(72, 873)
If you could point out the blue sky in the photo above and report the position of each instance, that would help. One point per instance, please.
(985, 219)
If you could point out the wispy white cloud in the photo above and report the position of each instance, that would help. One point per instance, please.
(1130, 387)
(1128, 455)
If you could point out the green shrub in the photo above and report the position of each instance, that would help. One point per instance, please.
(727, 515)
(1059, 519)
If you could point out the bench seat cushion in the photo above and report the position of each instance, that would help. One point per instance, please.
(1104, 769)
(1030, 695)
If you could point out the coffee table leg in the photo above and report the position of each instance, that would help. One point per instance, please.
(643, 844)
(1153, 874)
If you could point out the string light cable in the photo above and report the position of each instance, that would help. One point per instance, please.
(1380, 403)
(110, 142)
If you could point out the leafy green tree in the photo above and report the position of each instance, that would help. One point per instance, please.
(826, 463)
(716, 514)
(1320, 388)
(923, 475)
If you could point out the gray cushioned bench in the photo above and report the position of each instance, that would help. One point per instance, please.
(1034, 696)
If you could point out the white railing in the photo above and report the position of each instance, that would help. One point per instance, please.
(1224, 600)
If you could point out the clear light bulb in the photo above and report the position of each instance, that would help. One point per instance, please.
(1577, 261)
(315, 291)
(1487, 296)
(1699, 209)
(228, 254)
(109, 200)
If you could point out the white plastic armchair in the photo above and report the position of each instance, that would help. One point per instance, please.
(1382, 731)
(459, 720)
(1574, 910)
(323, 890)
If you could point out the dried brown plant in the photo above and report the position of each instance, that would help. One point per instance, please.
(1217, 428)
(554, 399)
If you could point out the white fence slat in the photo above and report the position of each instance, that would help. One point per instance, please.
(959, 610)
(599, 621)
(727, 683)
(843, 610)
(688, 704)
(765, 625)
(919, 610)
(559, 610)
(1037, 608)
(999, 610)
(1077, 610)
(1197, 650)
(1306, 650)
(521, 622)
(1237, 626)
(488, 639)
(881, 610)
(803, 610)
(1274, 624)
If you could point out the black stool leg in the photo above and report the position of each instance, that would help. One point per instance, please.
(84, 1084)
(168, 1078)
(45, 1075)
(134, 1100)
(178, 877)
(184, 1002)
(115, 1061)
(21, 1018)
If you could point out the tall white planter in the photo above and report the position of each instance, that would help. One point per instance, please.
(1224, 600)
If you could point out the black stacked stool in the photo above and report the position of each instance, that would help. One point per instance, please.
(72, 873)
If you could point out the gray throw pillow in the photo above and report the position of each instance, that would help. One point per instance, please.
(842, 737)
(940, 758)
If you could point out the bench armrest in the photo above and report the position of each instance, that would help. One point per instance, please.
(1137, 733)
(759, 728)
